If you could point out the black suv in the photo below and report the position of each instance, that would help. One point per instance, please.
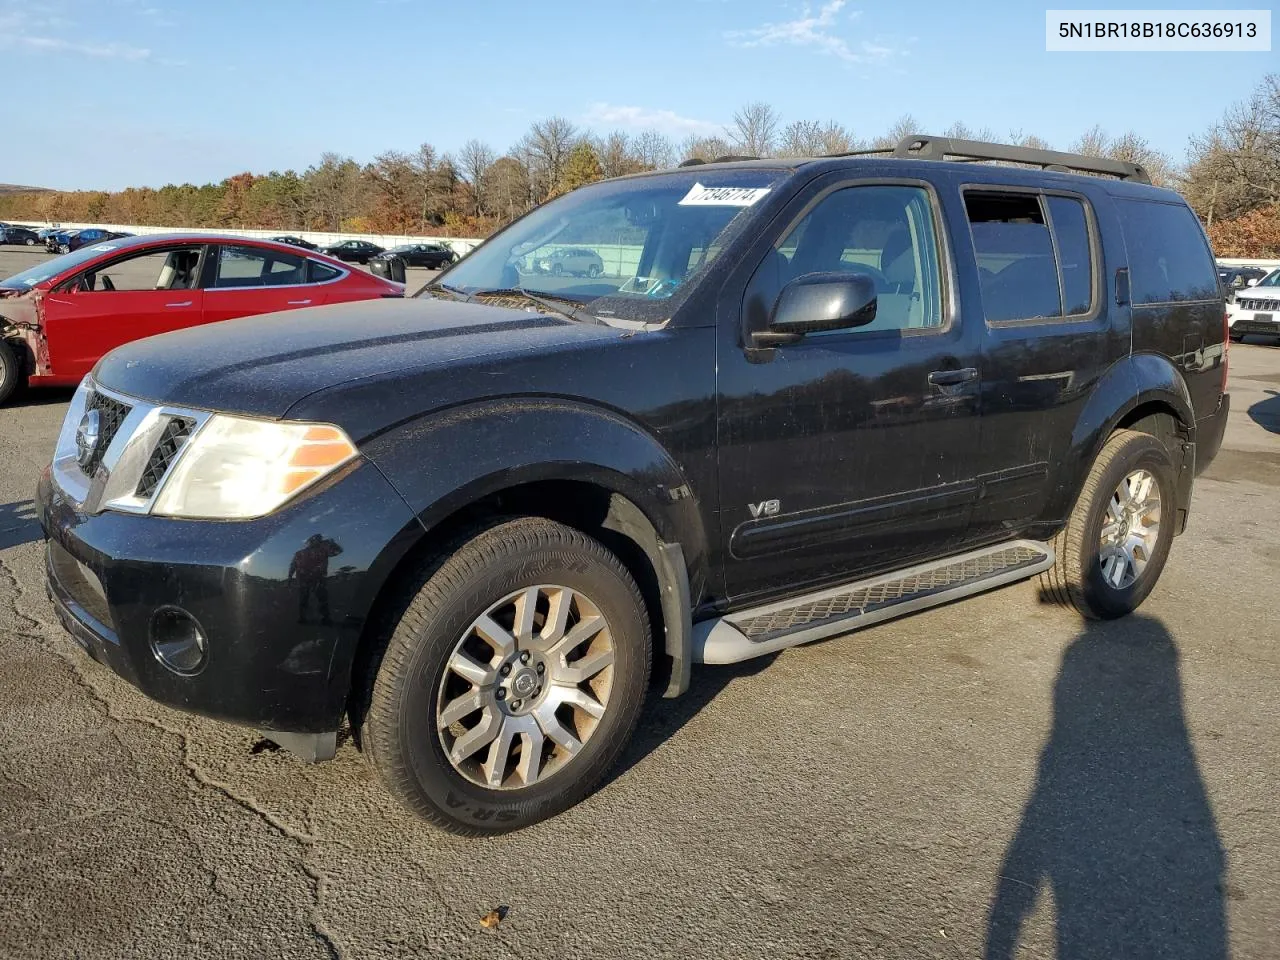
(823, 393)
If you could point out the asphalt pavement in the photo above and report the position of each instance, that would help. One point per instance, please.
(985, 774)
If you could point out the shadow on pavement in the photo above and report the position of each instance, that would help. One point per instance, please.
(1119, 828)
(18, 524)
(662, 719)
(1266, 413)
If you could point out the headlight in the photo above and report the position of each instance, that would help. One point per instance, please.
(235, 468)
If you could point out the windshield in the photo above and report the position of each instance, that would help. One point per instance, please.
(403, 248)
(626, 248)
(51, 268)
(1272, 279)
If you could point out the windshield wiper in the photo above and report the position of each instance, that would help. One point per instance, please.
(452, 291)
(543, 300)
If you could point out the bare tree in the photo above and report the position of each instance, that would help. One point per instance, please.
(547, 146)
(704, 148)
(613, 152)
(506, 188)
(904, 126)
(809, 138)
(1096, 142)
(474, 159)
(755, 129)
(1234, 167)
(652, 150)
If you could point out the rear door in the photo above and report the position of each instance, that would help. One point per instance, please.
(1042, 297)
(242, 281)
(121, 300)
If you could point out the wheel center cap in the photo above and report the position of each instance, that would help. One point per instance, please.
(524, 683)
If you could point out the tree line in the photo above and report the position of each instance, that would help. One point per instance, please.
(1231, 176)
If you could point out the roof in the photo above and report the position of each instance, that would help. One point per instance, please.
(191, 236)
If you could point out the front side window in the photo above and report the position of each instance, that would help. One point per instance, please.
(623, 248)
(257, 267)
(886, 233)
(1168, 257)
(168, 269)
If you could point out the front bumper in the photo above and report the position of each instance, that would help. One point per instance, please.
(282, 600)
(1264, 322)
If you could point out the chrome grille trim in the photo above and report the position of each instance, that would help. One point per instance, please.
(117, 479)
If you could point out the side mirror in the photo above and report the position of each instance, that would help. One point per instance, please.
(1253, 282)
(819, 301)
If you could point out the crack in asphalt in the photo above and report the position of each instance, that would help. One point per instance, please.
(306, 839)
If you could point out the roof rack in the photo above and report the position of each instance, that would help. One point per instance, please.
(731, 158)
(922, 146)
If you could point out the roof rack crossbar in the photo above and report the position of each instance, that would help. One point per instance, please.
(922, 146)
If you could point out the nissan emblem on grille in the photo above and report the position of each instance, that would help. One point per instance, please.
(87, 435)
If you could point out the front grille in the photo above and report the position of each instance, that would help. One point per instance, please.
(112, 413)
(175, 435)
(1252, 303)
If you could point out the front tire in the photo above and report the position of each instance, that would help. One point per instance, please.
(512, 680)
(1117, 538)
(10, 371)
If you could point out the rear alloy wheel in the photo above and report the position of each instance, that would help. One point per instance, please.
(512, 680)
(593, 271)
(30, 242)
(1116, 541)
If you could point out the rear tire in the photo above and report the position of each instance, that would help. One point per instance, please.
(11, 377)
(1101, 569)
(514, 757)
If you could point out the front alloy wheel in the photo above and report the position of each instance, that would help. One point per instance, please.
(525, 688)
(514, 674)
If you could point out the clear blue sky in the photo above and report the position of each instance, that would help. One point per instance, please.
(116, 93)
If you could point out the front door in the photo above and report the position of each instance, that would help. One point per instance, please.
(126, 299)
(851, 450)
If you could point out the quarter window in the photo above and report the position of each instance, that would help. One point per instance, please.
(1168, 257)
(883, 232)
(318, 272)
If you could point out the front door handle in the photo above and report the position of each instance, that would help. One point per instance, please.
(949, 378)
(184, 303)
(298, 303)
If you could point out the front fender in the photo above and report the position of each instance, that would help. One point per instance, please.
(1133, 381)
(449, 459)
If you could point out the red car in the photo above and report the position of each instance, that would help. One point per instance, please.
(59, 317)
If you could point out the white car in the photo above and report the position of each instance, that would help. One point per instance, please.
(1256, 308)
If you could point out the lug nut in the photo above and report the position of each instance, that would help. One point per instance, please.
(542, 667)
(500, 693)
(516, 704)
(506, 669)
(524, 657)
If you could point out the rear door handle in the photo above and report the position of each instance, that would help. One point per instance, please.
(298, 303)
(184, 303)
(949, 378)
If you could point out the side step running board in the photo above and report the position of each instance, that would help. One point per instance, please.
(827, 613)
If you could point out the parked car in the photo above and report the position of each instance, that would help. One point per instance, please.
(354, 251)
(84, 238)
(58, 241)
(575, 261)
(1256, 308)
(1235, 279)
(433, 256)
(45, 232)
(476, 522)
(19, 236)
(58, 318)
(296, 242)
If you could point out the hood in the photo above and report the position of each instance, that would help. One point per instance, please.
(263, 365)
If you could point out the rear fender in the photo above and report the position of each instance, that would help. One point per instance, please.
(1132, 382)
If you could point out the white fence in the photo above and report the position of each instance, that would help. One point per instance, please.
(320, 238)
(1246, 262)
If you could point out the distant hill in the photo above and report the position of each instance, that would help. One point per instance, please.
(18, 188)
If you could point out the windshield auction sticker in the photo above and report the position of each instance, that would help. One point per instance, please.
(701, 196)
(1116, 31)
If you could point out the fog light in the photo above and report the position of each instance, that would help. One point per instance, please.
(178, 642)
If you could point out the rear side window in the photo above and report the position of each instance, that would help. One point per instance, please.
(257, 267)
(1168, 258)
(1034, 255)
